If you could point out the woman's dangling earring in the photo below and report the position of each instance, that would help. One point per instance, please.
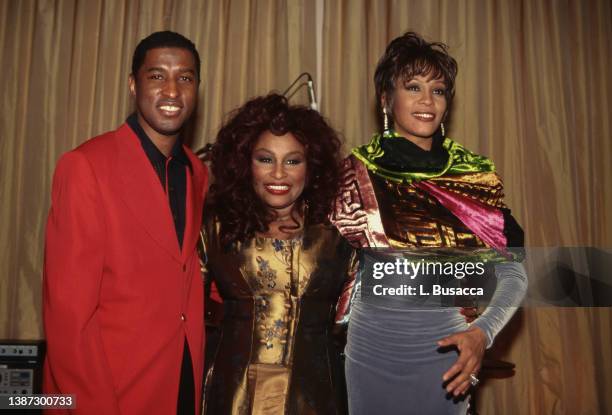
(385, 121)
(442, 129)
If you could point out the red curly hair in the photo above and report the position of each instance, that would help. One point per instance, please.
(239, 210)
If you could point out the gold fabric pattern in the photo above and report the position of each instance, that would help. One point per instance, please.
(272, 278)
(355, 212)
(485, 187)
(276, 354)
(413, 218)
(373, 212)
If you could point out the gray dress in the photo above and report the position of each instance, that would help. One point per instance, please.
(393, 363)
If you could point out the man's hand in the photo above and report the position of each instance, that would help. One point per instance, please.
(471, 345)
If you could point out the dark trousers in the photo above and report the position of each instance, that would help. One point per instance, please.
(186, 395)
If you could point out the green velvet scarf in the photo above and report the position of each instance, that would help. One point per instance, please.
(460, 160)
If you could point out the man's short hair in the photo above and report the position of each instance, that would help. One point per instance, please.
(165, 39)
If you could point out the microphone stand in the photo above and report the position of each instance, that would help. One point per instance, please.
(309, 84)
(205, 153)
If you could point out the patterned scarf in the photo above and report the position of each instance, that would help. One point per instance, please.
(389, 156)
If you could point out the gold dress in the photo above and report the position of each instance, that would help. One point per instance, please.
(277, 354)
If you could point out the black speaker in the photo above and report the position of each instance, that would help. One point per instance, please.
(21, 363)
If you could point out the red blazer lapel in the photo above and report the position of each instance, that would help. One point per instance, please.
(141, 190)
(195, 203)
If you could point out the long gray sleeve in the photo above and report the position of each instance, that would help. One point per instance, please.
(511, 288)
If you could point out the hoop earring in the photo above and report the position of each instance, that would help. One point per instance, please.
(442, 129)
(385, 121)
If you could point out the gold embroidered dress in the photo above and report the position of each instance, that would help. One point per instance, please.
(277, 354)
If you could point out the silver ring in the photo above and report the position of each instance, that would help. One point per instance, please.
(474, 380)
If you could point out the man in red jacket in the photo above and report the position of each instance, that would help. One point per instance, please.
(123, 295)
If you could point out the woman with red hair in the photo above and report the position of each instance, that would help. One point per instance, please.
(276, 261)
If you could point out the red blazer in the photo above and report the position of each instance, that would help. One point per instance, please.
(119, 294)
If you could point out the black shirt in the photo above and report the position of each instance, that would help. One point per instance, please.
(172, 173)
(402, 155)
